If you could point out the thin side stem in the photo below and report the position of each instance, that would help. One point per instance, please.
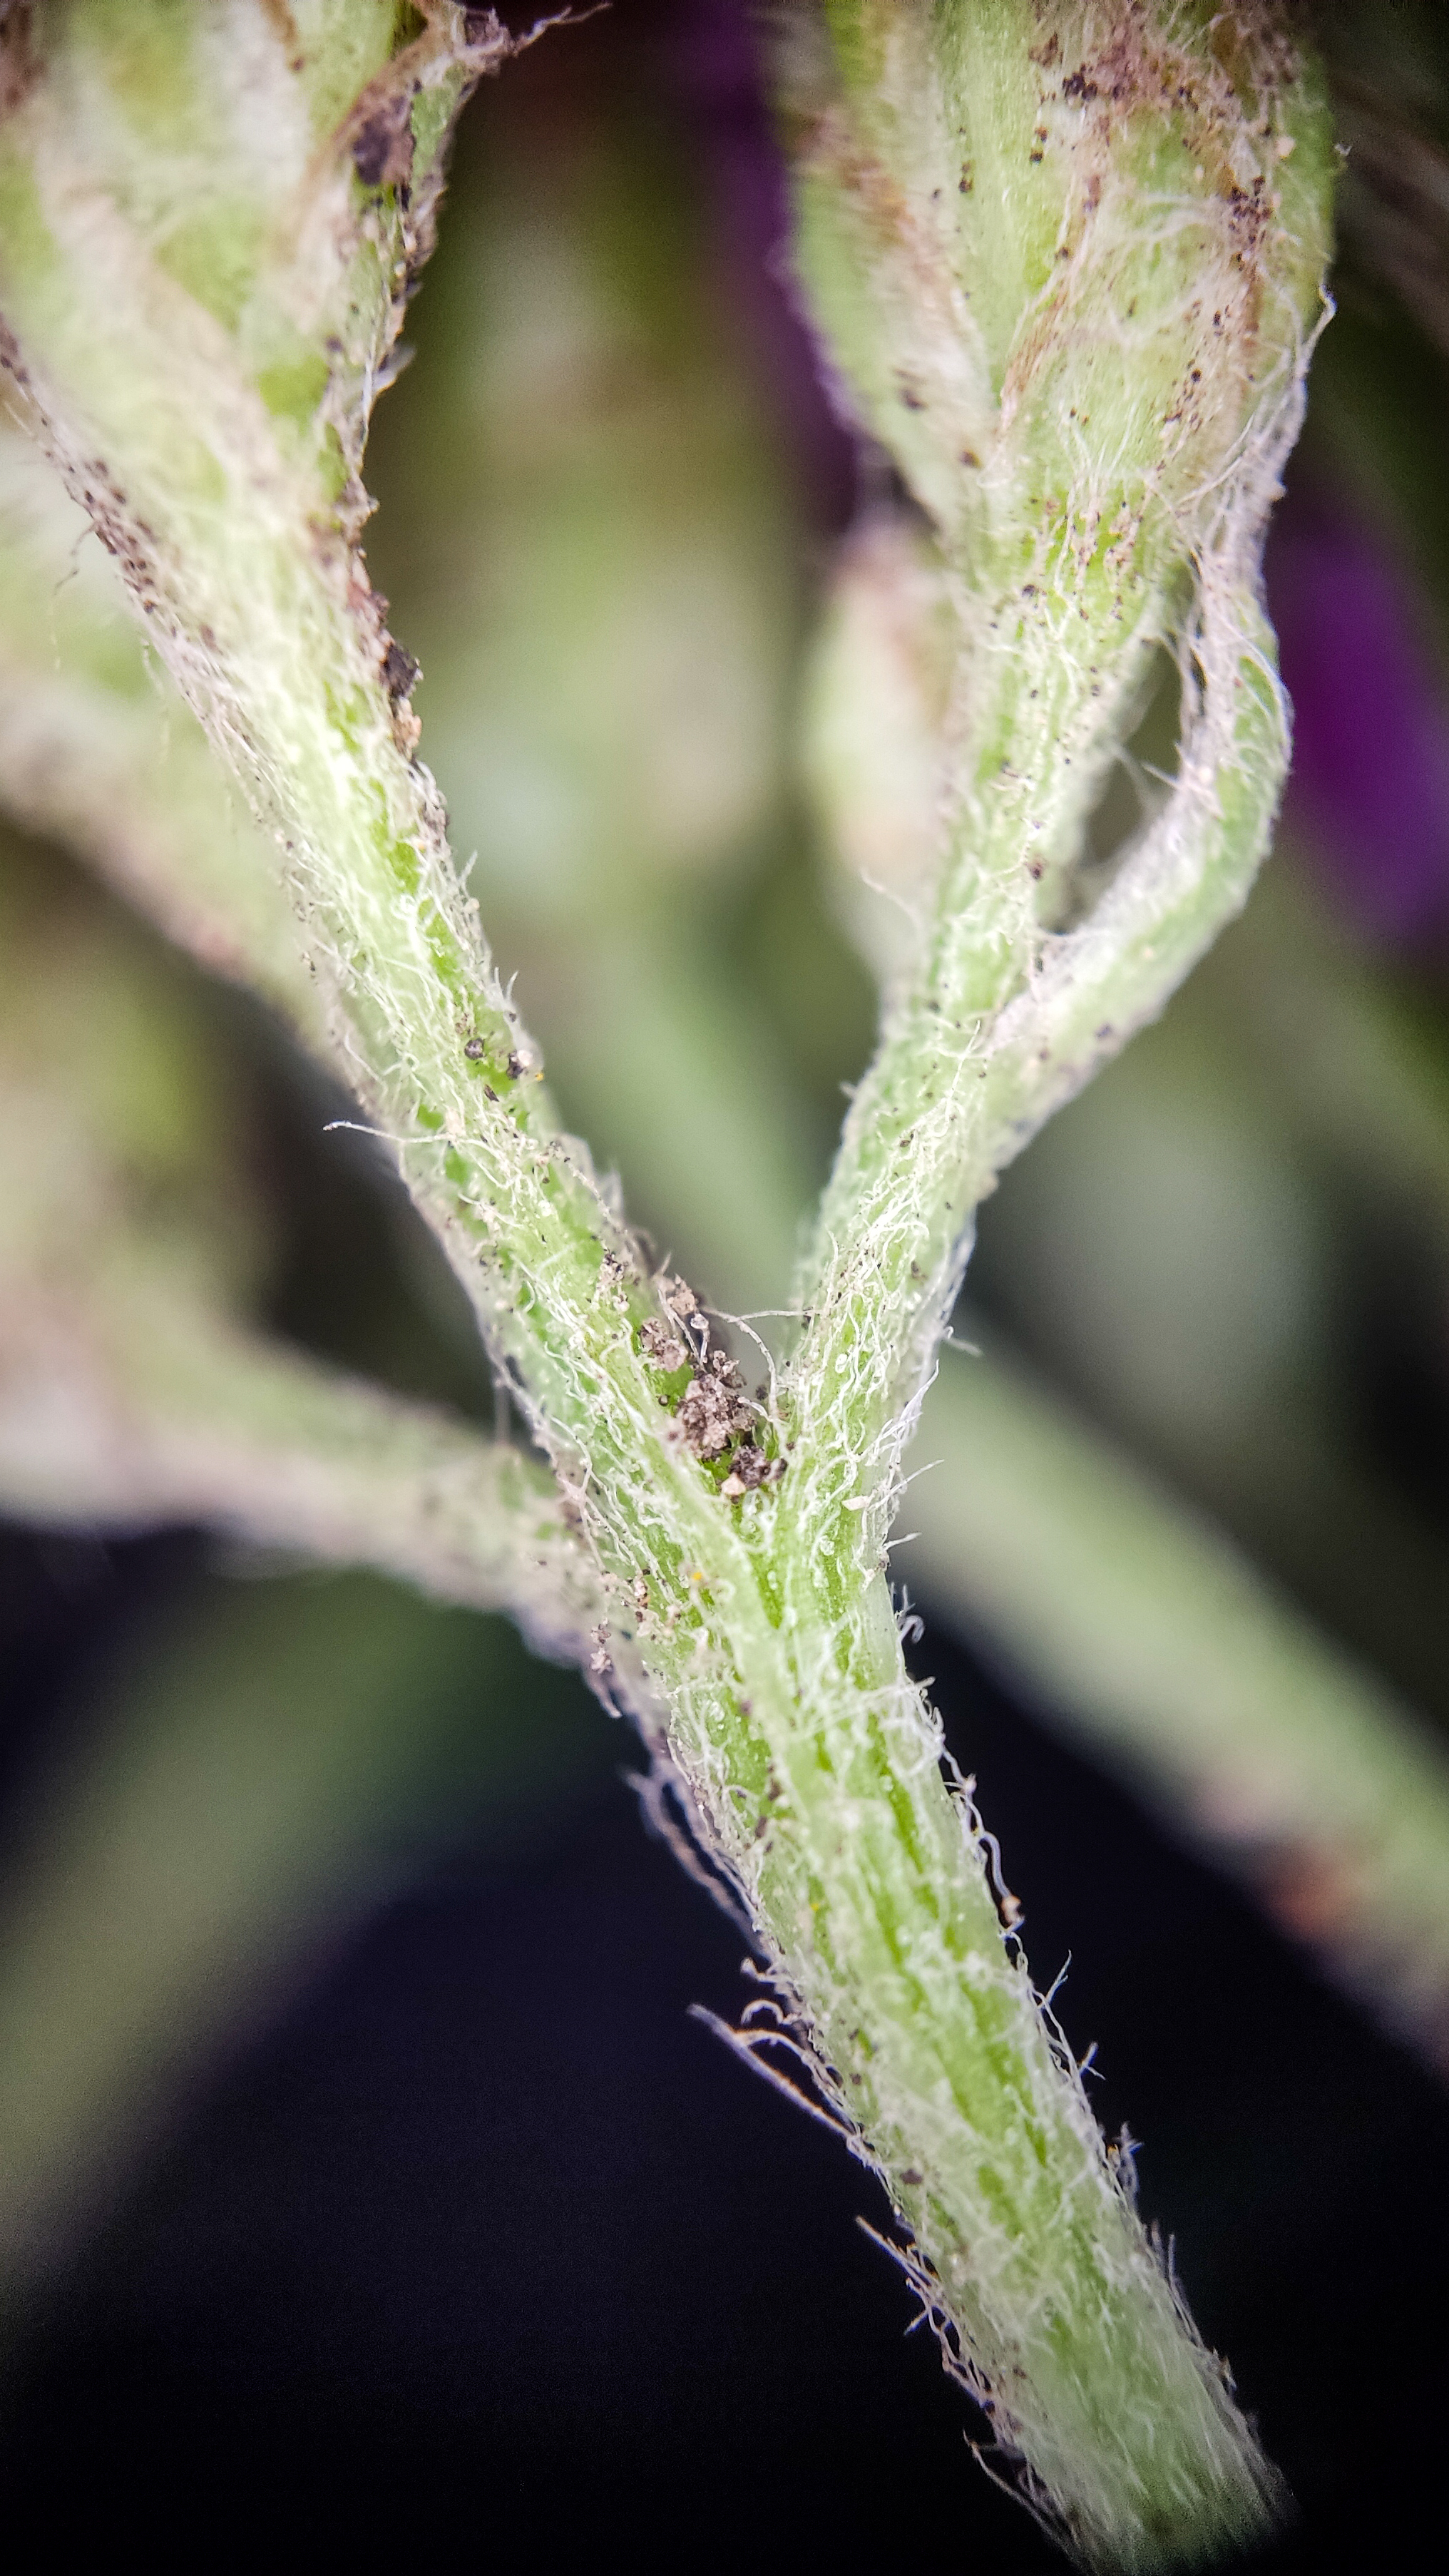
(137, 1403)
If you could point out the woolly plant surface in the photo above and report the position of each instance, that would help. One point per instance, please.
(1067, 259)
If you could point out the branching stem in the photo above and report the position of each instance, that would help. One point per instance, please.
(173, 374)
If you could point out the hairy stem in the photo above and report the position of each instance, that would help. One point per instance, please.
(98, 752)
(1161, 1650)
(177, 388)
(1076, 550)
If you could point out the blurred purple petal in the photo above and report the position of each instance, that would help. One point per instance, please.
(1369, 792)
(714, 71)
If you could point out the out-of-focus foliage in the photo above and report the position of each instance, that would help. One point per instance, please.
(588, 533)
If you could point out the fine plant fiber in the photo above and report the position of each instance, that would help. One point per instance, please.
(206, 241)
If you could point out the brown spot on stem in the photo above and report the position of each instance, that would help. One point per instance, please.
(399, 672)
(382, 146)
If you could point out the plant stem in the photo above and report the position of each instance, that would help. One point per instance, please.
(152, 1408)
(759, 1607)
(98, 752)
(1162, 1652)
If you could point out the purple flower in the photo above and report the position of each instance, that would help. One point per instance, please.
(1369, 791)
(713, 69)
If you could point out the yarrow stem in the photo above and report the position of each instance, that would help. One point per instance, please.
(202, 279)
(1098, 445)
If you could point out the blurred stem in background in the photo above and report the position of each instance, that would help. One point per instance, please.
(1181, 1257)
(98, 752)
(1157, 1646)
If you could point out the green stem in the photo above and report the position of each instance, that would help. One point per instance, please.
(139, 1404)
(98, 752)
(1163, 1653)
(159, 386)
